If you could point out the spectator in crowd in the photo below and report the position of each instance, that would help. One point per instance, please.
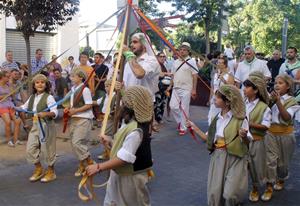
(68, 69)
(61, 85)
(84, 58)
(38, 62)
(20, 95)
(55, 64)
(228, 51)
(185, 85)
(275, 63)
(108, 62)
(221, 77)
(164, 86)
(7, 111)
(101, 71)
(292, 65)
(9, 64)
(142, 67)
(249, 65)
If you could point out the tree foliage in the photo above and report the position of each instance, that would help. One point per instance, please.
(259, 22)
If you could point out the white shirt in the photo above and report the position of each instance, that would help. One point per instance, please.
(266, 120)
(37, 98)
(183, 78)
(105, 101)
(130, 146)
(228, 52)
(150, 80)
(218, 82)
(291, 110)
(244, 69)
(87, 98)
(222, 122)
(286, 66)
(231, 66)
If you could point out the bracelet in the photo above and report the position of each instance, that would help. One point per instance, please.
(129, 55)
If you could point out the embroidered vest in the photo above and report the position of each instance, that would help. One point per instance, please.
(234, 145)
(256, 116)
(42, 105)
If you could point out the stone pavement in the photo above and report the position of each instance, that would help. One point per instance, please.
(180, 165)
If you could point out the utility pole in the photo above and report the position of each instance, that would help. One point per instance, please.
(284, 36)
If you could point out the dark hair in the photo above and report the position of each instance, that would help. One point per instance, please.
(99, 54)
(222, 96)
(56, 69)
(70, 57)
(159, 53)
(216, 54)
(225, 60)
(85, 54)
(248, 83)
(294, 48)
(14, 70)
(47, 89)
(36, 51)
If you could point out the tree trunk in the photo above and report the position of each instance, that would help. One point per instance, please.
(28, 55)
(220, 15)
(207, 40)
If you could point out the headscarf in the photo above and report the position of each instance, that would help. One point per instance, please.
(39, 77)
(258, 80)
(139, 100)
(142, 38)
(233, 95)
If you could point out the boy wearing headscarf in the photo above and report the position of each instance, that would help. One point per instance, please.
(259, 116)
(130, 157)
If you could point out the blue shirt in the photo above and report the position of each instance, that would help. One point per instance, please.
(36, 65)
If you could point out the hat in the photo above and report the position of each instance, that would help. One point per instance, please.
(233, 95)
(257, 74)
(39, 77)
(138, 99)
(258, 80)
(289, 81)
(186, 44)
(79, 72)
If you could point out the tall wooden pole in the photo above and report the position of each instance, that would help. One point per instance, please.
(121, 71)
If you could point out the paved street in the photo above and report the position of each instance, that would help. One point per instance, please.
(180, 165)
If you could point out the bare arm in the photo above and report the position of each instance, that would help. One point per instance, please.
(137, 69)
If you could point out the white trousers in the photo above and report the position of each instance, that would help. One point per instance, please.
(183, 96)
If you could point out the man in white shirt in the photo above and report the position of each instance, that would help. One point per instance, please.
(184, 86)
(249, 65)
(142, 67)
(229, 52)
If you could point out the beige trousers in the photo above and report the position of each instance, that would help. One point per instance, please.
(227, 179)
(257, 162)
(79, 131)
(279, 152)
(35, 149)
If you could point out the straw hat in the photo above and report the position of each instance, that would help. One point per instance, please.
(138, 99)
(237, 105)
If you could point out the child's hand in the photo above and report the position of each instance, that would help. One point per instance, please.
(189, 124)
(243, 133)
(42, 114)
(118, 86)
(106, 141)
(92, 169)
(275, 96)
(66, 110)
(72, 111)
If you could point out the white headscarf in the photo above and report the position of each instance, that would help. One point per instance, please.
(142, 38)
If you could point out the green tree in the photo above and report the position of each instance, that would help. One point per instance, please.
(38, 14)
(204, 13)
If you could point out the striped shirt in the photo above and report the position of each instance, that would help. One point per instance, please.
(8, 66)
